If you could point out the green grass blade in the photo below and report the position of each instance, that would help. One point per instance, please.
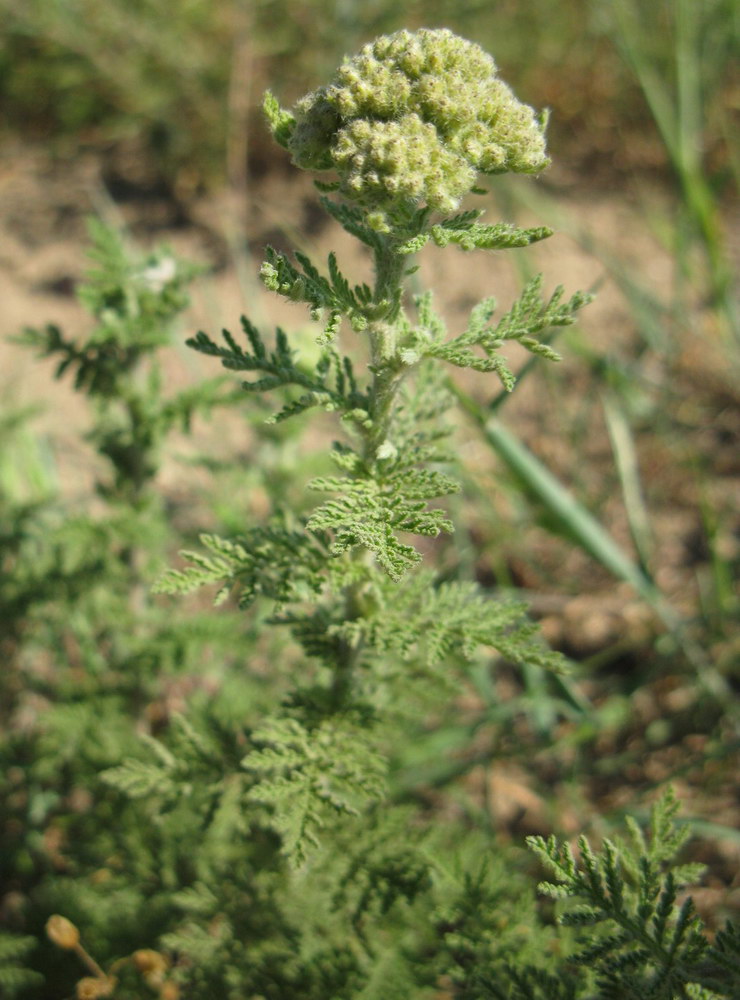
(588, 533)
(625, 456)
(572, 514)
(559, 501)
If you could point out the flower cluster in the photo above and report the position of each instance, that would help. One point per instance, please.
(413, 118)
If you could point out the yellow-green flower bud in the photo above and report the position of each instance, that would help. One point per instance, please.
(413, 118)
(148, 961)
(94, 987)
(62, 932)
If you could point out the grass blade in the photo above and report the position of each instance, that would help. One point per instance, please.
(588, 533)
(625, 456)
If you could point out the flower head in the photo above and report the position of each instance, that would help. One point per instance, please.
(412, 118)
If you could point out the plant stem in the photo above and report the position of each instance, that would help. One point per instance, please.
(390, 269)
(388, 373)
(348, 653)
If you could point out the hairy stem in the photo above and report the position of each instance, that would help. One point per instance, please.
(388, 373)
(349, 652)
(390, 268)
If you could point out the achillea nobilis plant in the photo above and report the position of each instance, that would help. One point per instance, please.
(291, 861)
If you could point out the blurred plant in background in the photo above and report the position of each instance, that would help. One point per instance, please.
(169, 76)
(87, 656)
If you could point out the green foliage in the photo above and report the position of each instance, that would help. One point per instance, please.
(621, 932)
(183, 781)
(484, 919)
(528, 318)
(14, 976)
(333, 294)
(87, 655)
(331, 385)
(464, 231)
(427, 624)
(372, 512)
(309, 776)
(270, 561)
(632, 936)
(134, 299)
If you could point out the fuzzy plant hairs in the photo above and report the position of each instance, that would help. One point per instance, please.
(414, 117)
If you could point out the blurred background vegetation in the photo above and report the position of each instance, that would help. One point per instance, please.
(168, 94)
(633, 85)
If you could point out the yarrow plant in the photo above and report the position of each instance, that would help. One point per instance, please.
(275, 845)
(406, 125)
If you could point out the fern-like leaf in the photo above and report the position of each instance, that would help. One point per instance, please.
(307, 776)
(478, 346)
(332, 385)
(652, 947)
(271, 561)
(428, 623)
(370, 513)
(469, 235)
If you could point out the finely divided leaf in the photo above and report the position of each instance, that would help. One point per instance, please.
(473, 236)
(271, 560)
(371, 513)
(310, 776)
